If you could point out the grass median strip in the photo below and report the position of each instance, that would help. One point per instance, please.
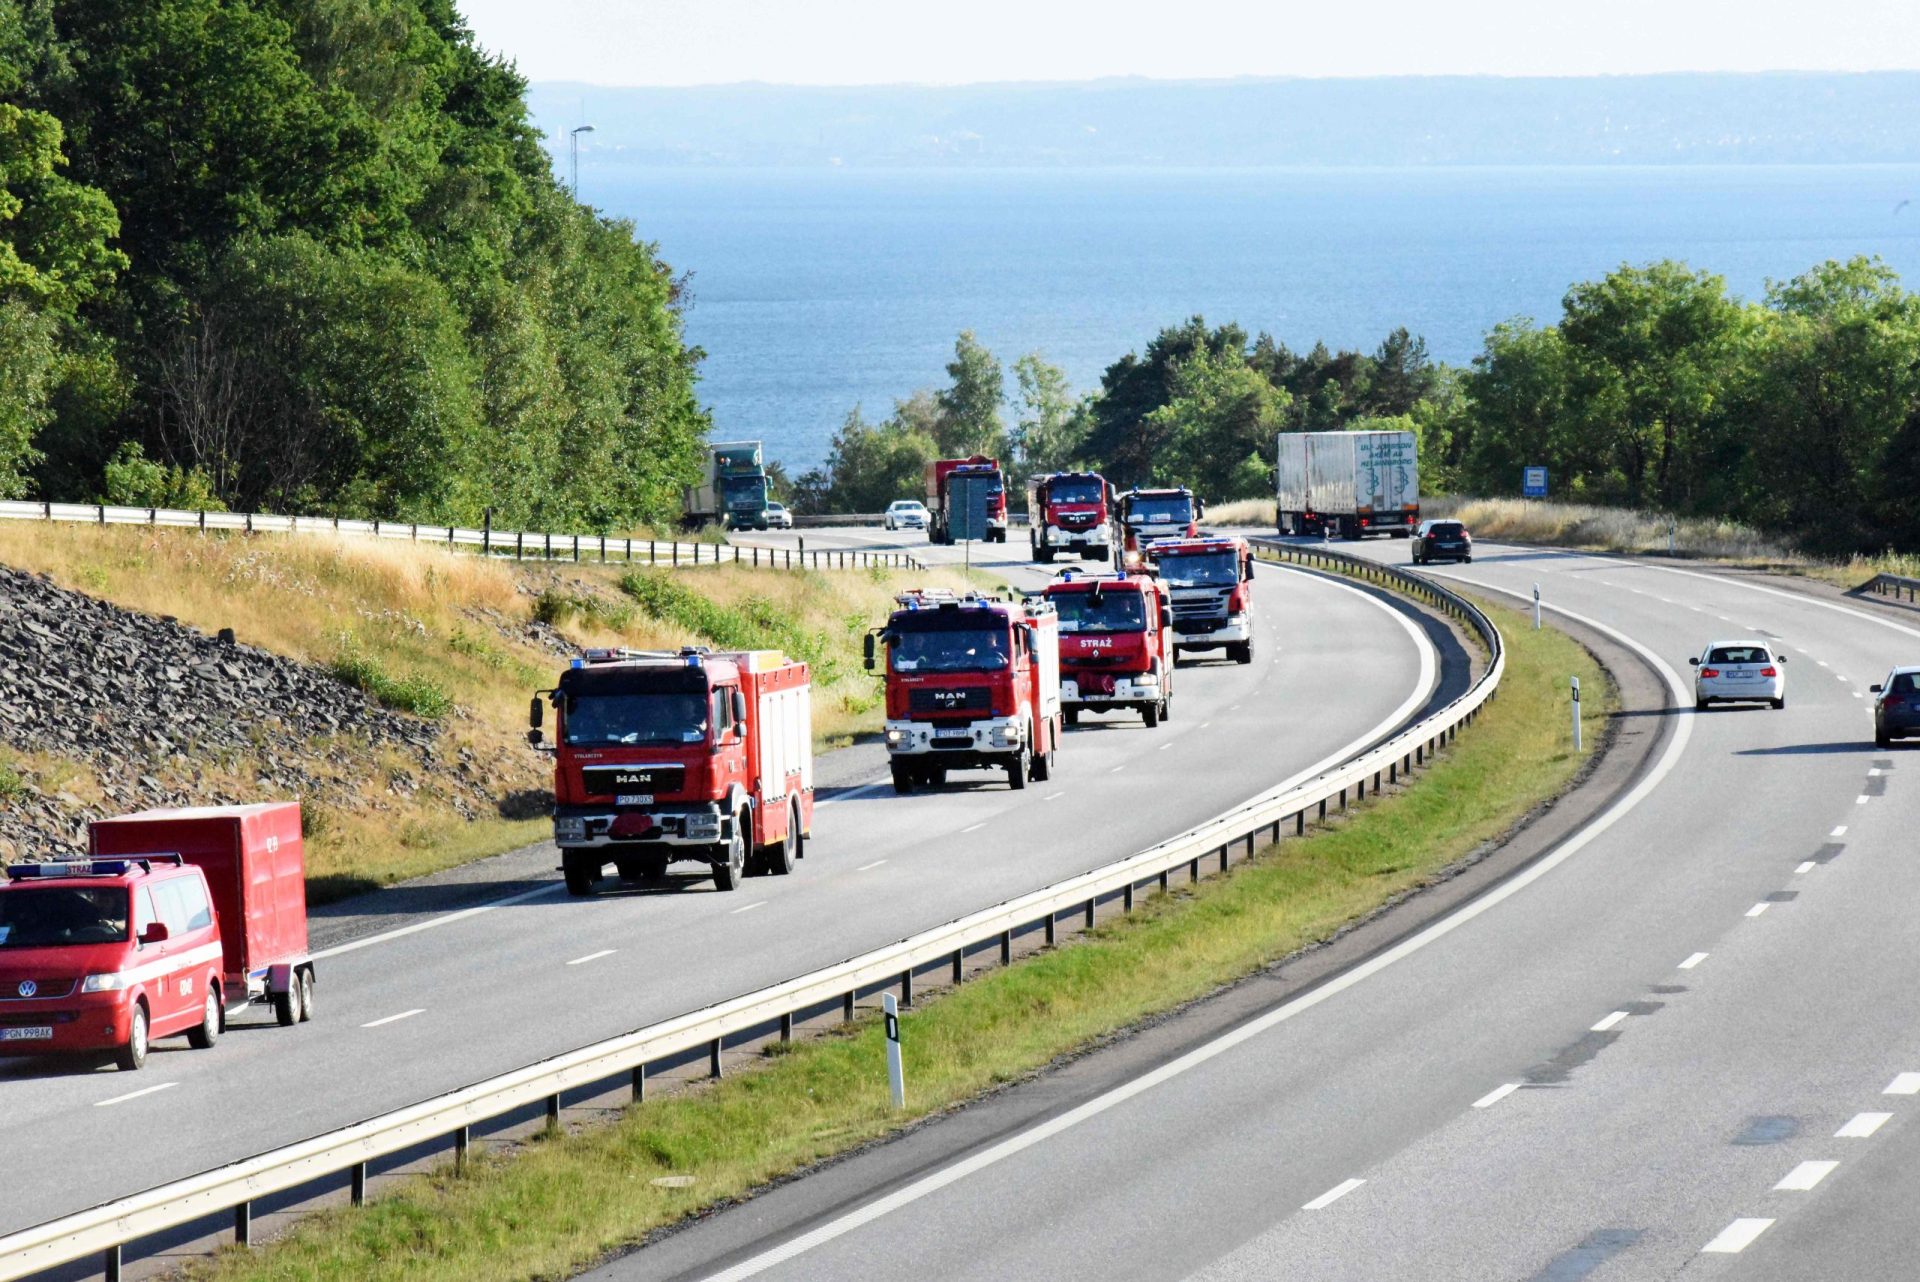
(556, 1205)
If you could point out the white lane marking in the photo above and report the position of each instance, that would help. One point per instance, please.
(1205, 724)
(1495, 1095)
(1737, 1236)
(1841, 831)
(431, 923)
(1333, 1195)
(604, 952)
(1821, 662)
(1797, 597)
(1904, 1084)
(1839, 676)
(144, 1090)
(876, 863)
(1805, 868)
(1757, 909)
(1874, 772)
(1804, 1176)
(1163, 747)
(1693, 961)
(1608, 1022)
(1860, 800)
(964, 831)
(1117, 769)
(1858, 695)
(394, 1019)
(747, 908)
(865, 790)
(1861, 1126)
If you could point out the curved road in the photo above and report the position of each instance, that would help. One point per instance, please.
(1684, 1042)
(443, 1002)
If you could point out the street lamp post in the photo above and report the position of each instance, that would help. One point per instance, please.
(574, 138)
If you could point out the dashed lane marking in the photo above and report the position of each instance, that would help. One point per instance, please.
(1805, 868)
(1737, 1236)
(964, 831)
(604, 952)
(1053, 796)
(1608, 1022)
(1495, 1095)
(394, 1019)
(1333, 1195)
(1757, 909)
(1804, 1176)
(1693, 961)
(747, 908)
(1841, 831)
(1862, 1125)
(144, 1090)
(1904, 1084)
(876, 863)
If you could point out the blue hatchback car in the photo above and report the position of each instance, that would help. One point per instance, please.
(1896, 710)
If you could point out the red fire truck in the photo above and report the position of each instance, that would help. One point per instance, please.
(1211, 582)
(691, 756)
(1070, 512)
(1116, 647)
(1147, 515)
(973, 682)
(967, 498)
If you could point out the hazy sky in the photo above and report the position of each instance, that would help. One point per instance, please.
(661, 42)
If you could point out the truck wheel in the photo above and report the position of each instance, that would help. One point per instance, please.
(1241, 652)
(582, 871)
(902, 778)
(1166, 707)
(1043, 554)
(727, 876)
(1101, 554)
(1150, 713)
(653, 868)
(203, 1035)
(1017, 766)
(131, 1056)
(1043, 766)
(306, 994)
(781, 855)
(1072, 716)
(287, 1007)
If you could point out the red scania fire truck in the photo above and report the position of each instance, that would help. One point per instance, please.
(1145, 516)
(1116, 647)
(662, 757)
(1211, 582)
(973, 682)
(1070, 512)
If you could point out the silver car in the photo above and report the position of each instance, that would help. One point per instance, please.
(906, 514)
(1739, 672)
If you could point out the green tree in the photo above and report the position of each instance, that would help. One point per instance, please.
(1049, 429)
(1121, 442)
(1519, 389)
(1214, 432)
(872, 464)
(970, 419)
(29, 365)
(134, 480)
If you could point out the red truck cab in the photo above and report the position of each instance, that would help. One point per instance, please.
(1070, 512)
(1147, 515)
(1116, 648)
(1211, 583)
(972, 682)
(691, 756)
(966, 500)
(177, 919)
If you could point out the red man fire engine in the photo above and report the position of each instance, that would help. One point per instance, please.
(695, 756)
(1070, 512)
(972, 682)
(1116, 648)
(1211, 582)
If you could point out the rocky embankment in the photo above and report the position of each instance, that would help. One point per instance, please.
(156, 714)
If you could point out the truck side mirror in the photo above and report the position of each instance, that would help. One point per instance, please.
(739, 707)
(1876, 689)
(866, 650)
(535, 738)
(155, 933)
(535, 713)
(1199, 509)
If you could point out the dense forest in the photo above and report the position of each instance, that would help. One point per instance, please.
(309, 256)
(1798, 413)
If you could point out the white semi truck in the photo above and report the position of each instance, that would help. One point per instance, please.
(1350, 484)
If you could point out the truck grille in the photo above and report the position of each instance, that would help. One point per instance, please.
(1076, 521)
(610, 781)
(971, 699)
(1205, 604)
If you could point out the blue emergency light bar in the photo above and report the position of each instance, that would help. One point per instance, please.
(85, 867)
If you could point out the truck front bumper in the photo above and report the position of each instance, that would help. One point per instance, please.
(1097, 537)
(589, 827)
(1138, 688)
(994, 737)
(1237, 628)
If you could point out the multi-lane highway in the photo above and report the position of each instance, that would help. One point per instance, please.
(443, 1001)
(1685, 1041)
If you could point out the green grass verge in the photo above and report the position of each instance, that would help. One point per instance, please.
(561, 1202)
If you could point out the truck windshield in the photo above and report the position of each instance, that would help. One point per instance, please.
(1101, 612)
(1076, 491)
(55, 916)
(959, 650)
(595, 719)
(744, 489)
(1174, 510)
(1200, 569)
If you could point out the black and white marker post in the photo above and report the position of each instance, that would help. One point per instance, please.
(1576, 714)
(896, 1073)
(1536, 607)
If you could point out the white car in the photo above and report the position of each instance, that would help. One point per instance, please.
(778, 518)
(1739, 672)
(906, 514)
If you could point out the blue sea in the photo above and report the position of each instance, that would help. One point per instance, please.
(816, 289)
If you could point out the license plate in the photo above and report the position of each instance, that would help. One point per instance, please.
(33, 1033)
(634, 799)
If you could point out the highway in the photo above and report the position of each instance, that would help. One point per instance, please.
(1684, 1041)
(413, 1004)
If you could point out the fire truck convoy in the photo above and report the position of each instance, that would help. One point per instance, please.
(1146, 515)
(1211, 582)
(1070, 512)
(177, 919)
(972, 682)
(691, 756)
(1116, 651)
(968, 500)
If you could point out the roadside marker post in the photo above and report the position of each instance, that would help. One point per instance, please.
(896, 1072)
(1536, 607)
(1576, 714)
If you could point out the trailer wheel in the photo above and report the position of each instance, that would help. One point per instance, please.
(727, 876)
(287, 1007)
(204, 1034)
(306, 994)
(902, 778)
(581, 870)
(131, 1056)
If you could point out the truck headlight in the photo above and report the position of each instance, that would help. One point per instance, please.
(570, 827)
(895, 736)
(103, 983)
(1006, 736)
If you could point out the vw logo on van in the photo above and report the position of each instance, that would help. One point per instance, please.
(28, 988)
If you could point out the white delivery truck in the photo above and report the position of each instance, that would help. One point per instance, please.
(1348, 483)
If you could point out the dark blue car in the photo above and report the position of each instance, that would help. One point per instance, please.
(1896, 712)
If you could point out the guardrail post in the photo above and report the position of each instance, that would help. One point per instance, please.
(1126, 899)
(676, 551)
(603, 549)
(1089, 912)
(629, 551)
(906, 987)
(549, 546)
(959, 966)
(846, 1011)
(462, 1141)
(203, 520)
(103, 512)
(357, 1184)
(243, 1224)
(110, 1264)
(637, 1081)
(1050, 930)
(1163, 881)
(1006, 948)
(1393, 772)
(1193, 871)
(1343, 799)
(576, 549)
(713, 1059)
(786, 1027)
(1323, 807)
(1223, 859)
(553, 1110)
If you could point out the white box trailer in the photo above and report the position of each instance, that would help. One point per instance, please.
(1348, 483)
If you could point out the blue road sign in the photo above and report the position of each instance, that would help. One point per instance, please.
(1533, 482)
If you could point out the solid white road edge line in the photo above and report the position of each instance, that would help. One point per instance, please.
(840, 1226)
(145, 1090)
(1737, 1236)
(394, 1019)
(1495, 1095)
(604, 952)
(1862, 1125)
(1333, 1195)
(1804, 1176)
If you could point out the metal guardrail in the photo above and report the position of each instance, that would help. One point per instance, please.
(1892, 585)
(103, 1230)
(518, 545)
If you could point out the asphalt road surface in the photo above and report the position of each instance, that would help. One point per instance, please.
(1684, 1042)
(437, 1002)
